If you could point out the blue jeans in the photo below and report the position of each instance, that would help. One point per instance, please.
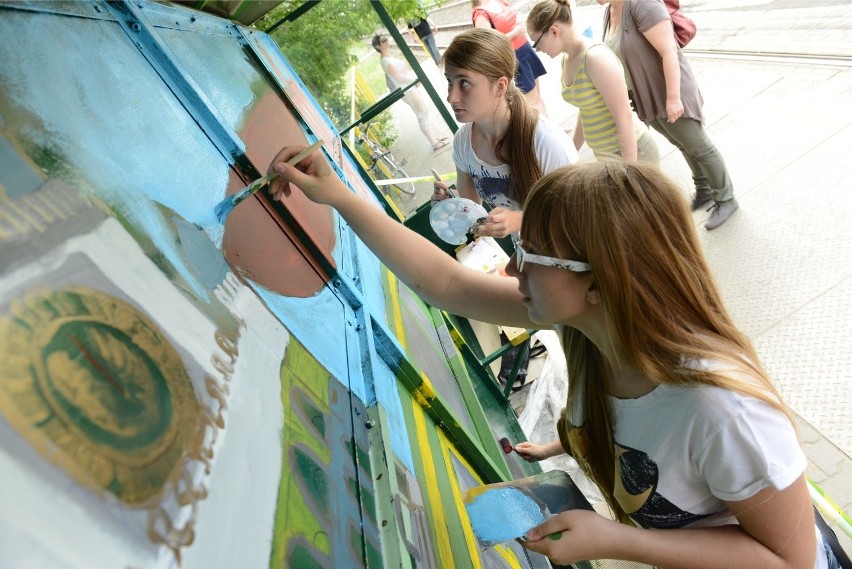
(432, 47)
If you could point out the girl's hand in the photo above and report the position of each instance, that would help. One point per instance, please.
(499, 223)
(440, 192)
(674, 109)
(572, 536)
(531, 452)
(312, 175)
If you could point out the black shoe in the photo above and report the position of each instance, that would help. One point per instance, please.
(720, 212)
(697, 201)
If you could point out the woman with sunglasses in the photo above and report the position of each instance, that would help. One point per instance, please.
(669, 410)
(592, 81)
(503, 145)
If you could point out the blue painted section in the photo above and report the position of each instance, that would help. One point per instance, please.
(318, 322)
(16, 176)
(501, 514)
(370, 271)
(387, 396)
(119, 134)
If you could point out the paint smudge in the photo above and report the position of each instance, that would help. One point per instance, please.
(502, 514)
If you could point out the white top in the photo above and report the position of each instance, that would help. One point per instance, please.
(682, 451)
(553, 148)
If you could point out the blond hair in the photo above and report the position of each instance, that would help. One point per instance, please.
(489, 53)
(632, 224)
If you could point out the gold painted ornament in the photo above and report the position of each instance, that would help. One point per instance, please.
(95, 387)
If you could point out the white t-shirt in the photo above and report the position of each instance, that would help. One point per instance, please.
(681, 451)
(553, 148)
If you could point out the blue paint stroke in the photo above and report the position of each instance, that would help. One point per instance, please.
(109, 126)
(503, 514)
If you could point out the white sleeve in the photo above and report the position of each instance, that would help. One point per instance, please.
(756, 448)
(553, 147)
(461, 147)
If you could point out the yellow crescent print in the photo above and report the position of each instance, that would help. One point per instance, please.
(629, 502)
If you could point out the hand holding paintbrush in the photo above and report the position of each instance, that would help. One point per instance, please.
(227, 205)
(440, 190)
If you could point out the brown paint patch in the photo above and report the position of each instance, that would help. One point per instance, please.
(256, 239)
(301, 100)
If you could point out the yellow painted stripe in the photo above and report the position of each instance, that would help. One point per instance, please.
(399, 329)
(505, 552)
(469, 537)
(433, 494)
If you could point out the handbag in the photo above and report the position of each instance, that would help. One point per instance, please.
(684, 27)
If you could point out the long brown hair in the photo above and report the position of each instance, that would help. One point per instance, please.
(490, 53)
(548, 12)
(632, 224)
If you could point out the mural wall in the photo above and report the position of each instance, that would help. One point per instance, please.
(179, 393)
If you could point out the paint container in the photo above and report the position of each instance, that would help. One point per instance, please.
(508, 510)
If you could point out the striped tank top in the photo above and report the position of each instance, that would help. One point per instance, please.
(598, 123)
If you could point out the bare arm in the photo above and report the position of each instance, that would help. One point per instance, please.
(578, 136)
(608, 77)
(776, 531)
(532, 452)
(661, 36)
(481, 21)
(431, 273)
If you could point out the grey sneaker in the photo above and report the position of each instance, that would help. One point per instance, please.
(697, 201)
(720, 212)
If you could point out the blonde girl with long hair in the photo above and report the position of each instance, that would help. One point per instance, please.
(503, 146)
(669, 409)
(593, 81)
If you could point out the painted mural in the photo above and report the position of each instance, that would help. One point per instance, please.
(178, 393)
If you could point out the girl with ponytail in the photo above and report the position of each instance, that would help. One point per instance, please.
(504, 146)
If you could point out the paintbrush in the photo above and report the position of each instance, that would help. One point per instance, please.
(227, 205)
(451, 190)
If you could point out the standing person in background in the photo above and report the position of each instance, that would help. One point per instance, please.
(425, 29)
(593, 81)
(667, 98)
(497, 15)
(398, 74)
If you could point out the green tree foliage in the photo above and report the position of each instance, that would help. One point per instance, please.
(323, 43)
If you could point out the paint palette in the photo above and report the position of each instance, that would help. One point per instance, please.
(452, 218)
(508, 510)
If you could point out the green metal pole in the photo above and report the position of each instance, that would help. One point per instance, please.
(415, 65)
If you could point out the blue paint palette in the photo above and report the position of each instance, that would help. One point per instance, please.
(507, 510)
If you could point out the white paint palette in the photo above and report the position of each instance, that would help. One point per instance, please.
(452, 218)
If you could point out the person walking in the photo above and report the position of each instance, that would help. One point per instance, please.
(593, 81)
(498, 15)
(669, 410)
(425, 29)
(667, 97)
(398, 74)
